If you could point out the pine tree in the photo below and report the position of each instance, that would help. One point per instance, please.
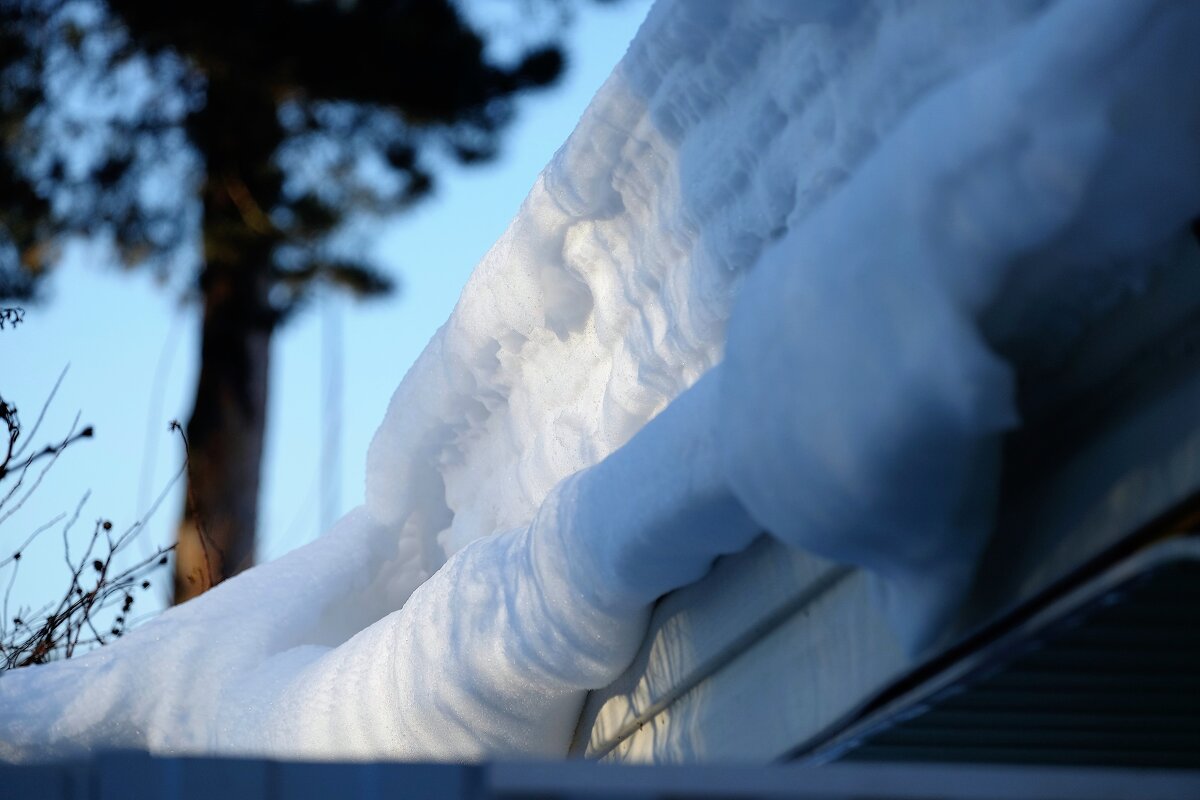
(232, 139)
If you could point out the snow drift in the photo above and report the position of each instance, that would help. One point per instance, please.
(764, 285)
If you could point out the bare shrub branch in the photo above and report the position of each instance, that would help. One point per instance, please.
(60, 629)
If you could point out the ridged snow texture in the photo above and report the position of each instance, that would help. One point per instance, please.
(837, 213)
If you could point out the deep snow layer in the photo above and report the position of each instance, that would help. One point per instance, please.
(833, 212)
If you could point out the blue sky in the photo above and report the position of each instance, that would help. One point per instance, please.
(131, 347)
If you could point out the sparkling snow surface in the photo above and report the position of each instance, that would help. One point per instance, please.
(763, 285)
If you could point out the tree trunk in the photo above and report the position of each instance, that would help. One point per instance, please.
(236, 134)
(225, 437)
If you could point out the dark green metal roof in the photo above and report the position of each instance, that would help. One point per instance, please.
(1107, 675)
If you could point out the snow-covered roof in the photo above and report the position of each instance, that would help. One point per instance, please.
(776, 279)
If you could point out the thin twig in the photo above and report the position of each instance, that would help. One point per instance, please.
(53, 451)
(8, 591)
(16, 556)
(42, 413)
